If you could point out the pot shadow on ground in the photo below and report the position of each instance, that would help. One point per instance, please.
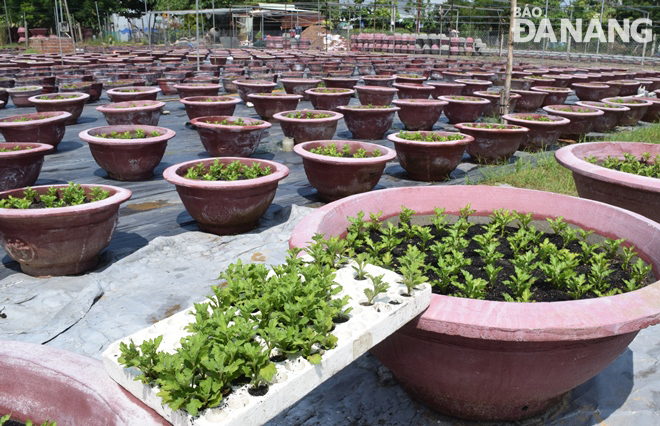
(85, 119)
(157, 176)
(66, 146)
(275, 215)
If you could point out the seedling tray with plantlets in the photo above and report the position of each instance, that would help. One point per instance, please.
(265, 338)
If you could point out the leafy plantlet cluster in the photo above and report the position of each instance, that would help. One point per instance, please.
(217, 100)
(370, 106)
(238, 122)
(137, 134)
(542, 118)
(643, 166)
(492, 126)
(307, 115)
(57, 97)
(72, 195)
(331, 150)
(322, 90)
(505, 259)
(255, 318)
(4, 419)
(430, 136)
(25, 118)
(131, 105)
(574, 109)
(15, 148)
(227, 172)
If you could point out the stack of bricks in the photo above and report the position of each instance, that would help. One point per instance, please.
(51, 45)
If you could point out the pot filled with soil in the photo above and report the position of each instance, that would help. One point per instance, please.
(379, 80)
(442, 88)
(637, 107)
(340, 82)
(226, 195)
(188, 90)
(338, 169)
(224, 136)
(472, 86)
(554, 95)
(298, 86)
(41, 127)
(653, 111)
(591, 91)
(132, 112)
(544, 130)
(269, 104)
(413, 90)
(20, 163)
(73, 103)
(495, 98)
(166, 85)
(128, 152)
(20, 96)
(419, 114)
(529, 100)
(612, 114)
(329, 98)
(462, 109)
(135, 93)
(61, 229)
(376, 95)
(204, 106)
(304, 126)
(582, 119)
(368, 122)
(429, 156)
(493, 143)
(246, 87)
(473, 353)
(628, 87)
(410, 78)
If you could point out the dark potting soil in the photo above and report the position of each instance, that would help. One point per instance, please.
(11, 422)
(542, 290)
(260, 391)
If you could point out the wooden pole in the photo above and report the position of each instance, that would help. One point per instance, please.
(11, 45)
(98, 17)
(26, 31)
(509, 62)
(71, 29)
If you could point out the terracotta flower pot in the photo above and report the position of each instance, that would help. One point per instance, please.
(379, 80)
(653, 111)
(63, 240)
(41, 127)
(20, 168)
(188, 90)
(376, 95)
(480, 359)
(20, 96)
(445, 89)
(493, 143)
(629, 191)
(413, 90)
(419, 114)
(451, 76)
(329, 98)
(36, 377)
(591, 91)
(464, 109)
(628, 87)
(520, 84)
(338, 177)
(166, 85)
(127, 159)
(132, 112)
(228, 83)
(430, 161)
(540, 81)
(200, 106)
(72, 103)
(246, 87)
(544, 130)
(410, 78)
(340, 82)
(582, 119)
(136, 93)
(269, 104)
(637, 106)
(555, 95)
(612, 114)
(226, 207)
(297, 86)
(229, 140)
(493, 110)
(368, 123)
(529, 101)
(308, 129)
(95, 91)
(472, 86)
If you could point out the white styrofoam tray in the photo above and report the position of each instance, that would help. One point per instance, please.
(295, 378)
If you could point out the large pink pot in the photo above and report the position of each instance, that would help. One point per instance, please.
(329, 98)
(632, 192)
(269, 104)
(187, 90)
(464, 109)
(542, 134)
(197, 106)
(60, 241)
(492, 145)
(419, 114)
(226, 207)
(375, 95)
(338, 177)
(493, 110)
(379, 80)
(652, 114)
(368, 123)
(298, 86)
(490, 360)
(49, 130)
(612, 114)
(42, 383)
(304, 130)
(445, 89)
(430, 161)
(50, 102)
(133, 93)
(592, 91)
(582, 119)
(127, 159)
(637, 106)
(529, 101)
(132, 112)
(247, 87)
(226, 140)
(21, 168)
(554, 95)
(413, 90)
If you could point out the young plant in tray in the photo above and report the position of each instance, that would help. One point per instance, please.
(506, 259)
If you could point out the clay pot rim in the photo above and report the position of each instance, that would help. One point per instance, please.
(79, 97)
(347, 92)
(652, 100)
(17, 90)
(112, 107)
(528, 92)
(90, 139)
(444, 84)
(279, 172)
(550, 89)
(119, 196)
(255, 83)
(557, 120)
(301, 80)
(477, 82)
(466, 139)
(367, 88)
(419, 102)
(387, 154)
(552, 109)
(378, 77)
(417, 86)
(514, 129)
(355, 79)
(638, 105)
(509, 321)
(140, 89)
(624, 82)
(37, 148)
(486, 94)
(52, 117)
(198, 122)
(592, 85)
(192, 100)
(475, 100)
(588, 104)
(572, 157)
(196, 86)
(336, 116)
